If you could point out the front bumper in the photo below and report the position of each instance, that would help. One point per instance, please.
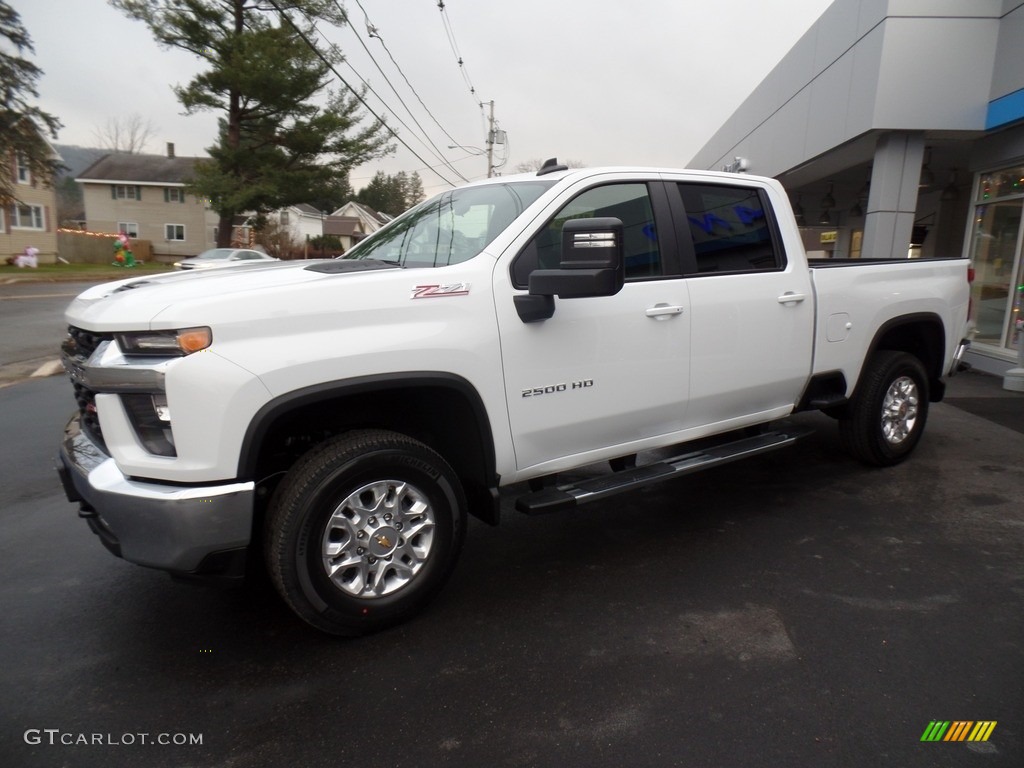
(181, 529)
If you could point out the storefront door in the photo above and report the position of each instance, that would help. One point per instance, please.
(997, 244)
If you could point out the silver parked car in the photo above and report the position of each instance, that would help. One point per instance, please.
(223, 257)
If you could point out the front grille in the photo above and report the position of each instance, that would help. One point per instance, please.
(84, 343)
(90, 420)
(79, 347)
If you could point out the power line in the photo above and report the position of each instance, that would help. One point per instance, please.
(375, 33)
(450, 32)
(359, 97)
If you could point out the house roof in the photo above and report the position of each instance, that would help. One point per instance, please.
(140, 169)
(381, 218)
(342, 225)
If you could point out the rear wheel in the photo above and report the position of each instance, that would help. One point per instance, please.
(886, 417)
(364, 530)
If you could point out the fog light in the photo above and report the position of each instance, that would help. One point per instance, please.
(160, 408)
(151, 419)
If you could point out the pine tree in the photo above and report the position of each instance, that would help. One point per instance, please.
(283, 137)
(23, 126)
(392, 194)
(414, 194)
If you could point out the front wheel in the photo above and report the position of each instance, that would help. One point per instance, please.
(886, 417)
(364, 530)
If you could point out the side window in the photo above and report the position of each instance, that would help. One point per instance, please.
(629, 203)
(729, 228)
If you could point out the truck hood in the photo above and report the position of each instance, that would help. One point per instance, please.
(136, 303)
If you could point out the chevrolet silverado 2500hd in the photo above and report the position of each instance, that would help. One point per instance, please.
(340, 419)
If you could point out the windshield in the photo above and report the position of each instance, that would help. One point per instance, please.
(453, 227)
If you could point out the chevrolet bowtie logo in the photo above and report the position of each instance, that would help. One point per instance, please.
(384, 541)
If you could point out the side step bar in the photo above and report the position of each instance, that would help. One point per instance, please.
(573, 495)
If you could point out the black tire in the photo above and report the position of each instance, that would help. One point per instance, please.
(382, 510)
(887, 415)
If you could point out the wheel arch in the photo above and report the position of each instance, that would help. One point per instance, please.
(441, 410)
(922, 335)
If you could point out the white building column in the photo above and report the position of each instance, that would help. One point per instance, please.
(892, 201)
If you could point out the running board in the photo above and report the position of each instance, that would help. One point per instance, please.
(573, 495)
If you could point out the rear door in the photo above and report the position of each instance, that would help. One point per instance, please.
(751, 308)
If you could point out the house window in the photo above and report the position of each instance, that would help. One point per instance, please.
(126, 192)
(26, 217)
(174, 231)
(130, 228)
(24, 172)
(174, 195)
(284, 218)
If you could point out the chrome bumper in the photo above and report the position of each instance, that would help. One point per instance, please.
(181, 529)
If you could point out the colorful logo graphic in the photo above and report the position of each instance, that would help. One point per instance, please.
(958, 730)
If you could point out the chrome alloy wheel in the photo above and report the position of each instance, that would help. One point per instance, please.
(378, 539)
(899, 410)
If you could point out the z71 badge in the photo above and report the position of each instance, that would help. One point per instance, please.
(436, 291)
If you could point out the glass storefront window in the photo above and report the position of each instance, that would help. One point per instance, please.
(996, 245)
(1005, 183)
(1017, 311)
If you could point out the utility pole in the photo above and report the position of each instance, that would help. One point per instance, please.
(490, 142)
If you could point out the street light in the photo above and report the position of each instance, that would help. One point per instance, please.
(473, 150)
(477, 151)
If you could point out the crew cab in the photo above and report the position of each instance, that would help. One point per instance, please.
(337, 420)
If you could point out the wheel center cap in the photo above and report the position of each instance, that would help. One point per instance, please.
(383, 541)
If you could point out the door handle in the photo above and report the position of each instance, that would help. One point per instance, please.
(791, 298)
(663, 310)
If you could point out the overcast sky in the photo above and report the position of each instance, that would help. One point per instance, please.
(644, 82)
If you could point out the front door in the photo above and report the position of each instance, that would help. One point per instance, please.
(603, 371)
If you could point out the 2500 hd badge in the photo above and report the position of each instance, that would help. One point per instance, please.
(553, 388)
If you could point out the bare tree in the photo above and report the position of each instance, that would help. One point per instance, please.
(276, 238)
(127, 134)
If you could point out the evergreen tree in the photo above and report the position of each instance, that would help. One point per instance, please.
(382, 194)
(392, 194)
(23, 126)
(277, 145)
(414, 194)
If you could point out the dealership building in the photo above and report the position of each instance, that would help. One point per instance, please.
(897, 126)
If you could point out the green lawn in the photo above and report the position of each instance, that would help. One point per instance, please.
(82, 272)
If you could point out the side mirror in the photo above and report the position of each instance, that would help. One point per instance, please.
(591, 265)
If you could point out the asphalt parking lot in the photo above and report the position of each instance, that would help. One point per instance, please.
(795, 609)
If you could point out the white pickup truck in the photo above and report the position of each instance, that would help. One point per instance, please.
(340, 419)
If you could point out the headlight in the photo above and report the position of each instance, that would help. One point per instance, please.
(165, 343)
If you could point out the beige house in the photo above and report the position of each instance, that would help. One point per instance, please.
(32, 220)
(145, 197)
